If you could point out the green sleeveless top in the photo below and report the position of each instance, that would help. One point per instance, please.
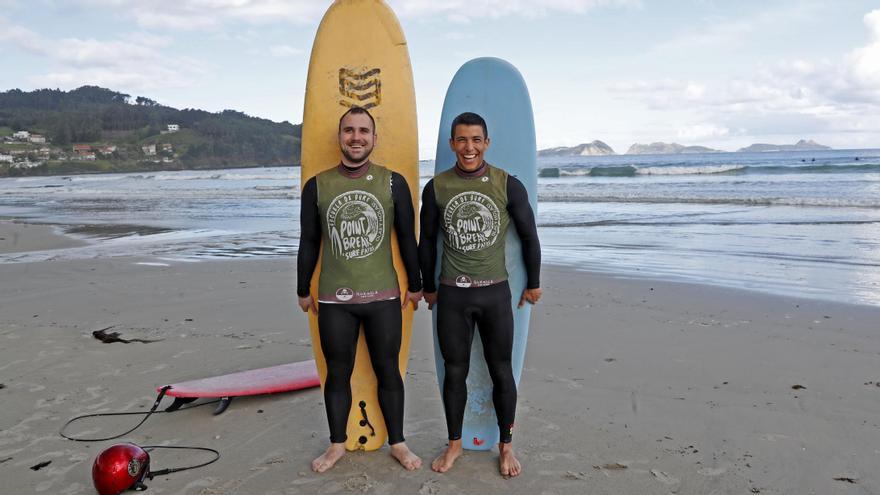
(474, 222)
(357, 217)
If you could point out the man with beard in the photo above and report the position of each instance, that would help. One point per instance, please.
(474, 202)
(353, 208)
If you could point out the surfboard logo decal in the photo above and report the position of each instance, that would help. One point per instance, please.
(356, 222)
(471, 221)
(360, 88)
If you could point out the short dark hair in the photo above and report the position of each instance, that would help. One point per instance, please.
(469, 118)
(356, 110)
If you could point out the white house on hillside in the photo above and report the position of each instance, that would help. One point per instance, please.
(173, 127)
(21, 135)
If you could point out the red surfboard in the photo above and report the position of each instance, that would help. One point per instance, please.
(271, 380)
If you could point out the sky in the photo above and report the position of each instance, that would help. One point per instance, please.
(716, 73)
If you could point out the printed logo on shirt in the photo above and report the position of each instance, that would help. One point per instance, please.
(344, 294)
(463, 281)
(471, 221)
(356, 223)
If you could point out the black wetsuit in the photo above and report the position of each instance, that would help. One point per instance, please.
(459, 309)
(339, 323)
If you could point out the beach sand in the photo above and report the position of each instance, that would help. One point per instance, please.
(18, 237)
(630, 386)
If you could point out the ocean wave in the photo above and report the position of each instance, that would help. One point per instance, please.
(699, 170)
(274, 188)
(686, 169)
(634, 170)
(95, 178)
(217, 176)
(849, 168)
(666, 223)
(550, 197)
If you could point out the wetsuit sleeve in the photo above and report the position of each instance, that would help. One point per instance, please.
(309, 238)
(404, 224)
(524, 220)
(430, 224)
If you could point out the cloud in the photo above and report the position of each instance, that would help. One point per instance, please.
(21, 36)
(459, 36)
(727, 34)
(134, 62)
(214, 14)
(662, 94)
(465, 9)
(701, 132)
(794, 95)
(866, 60)
(189, 15)
(284, 51)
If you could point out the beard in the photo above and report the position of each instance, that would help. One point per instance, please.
(352, 159)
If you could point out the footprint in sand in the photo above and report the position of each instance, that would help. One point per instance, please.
(552, 456)
(31, 387)
(50, 402)
(712, 471)
(205, 483)
(572, 384)
(665, 478)
(773, 437)
(430, 487)
(362, 483)
(13, 363)
(116, 372)
(159, 367)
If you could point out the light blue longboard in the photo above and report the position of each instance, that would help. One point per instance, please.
(494, 89)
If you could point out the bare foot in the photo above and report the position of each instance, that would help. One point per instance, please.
(405, 457)
(445, 461)
(507, 463)
(333, 453)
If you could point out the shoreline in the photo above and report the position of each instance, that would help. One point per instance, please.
(629, 386)
(132, 170)
(20, 237)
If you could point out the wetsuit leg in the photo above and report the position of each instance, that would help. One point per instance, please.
(339, 333)
(495, 323)
(382, 330)
(455, 333)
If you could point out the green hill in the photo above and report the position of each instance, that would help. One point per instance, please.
(102, 118)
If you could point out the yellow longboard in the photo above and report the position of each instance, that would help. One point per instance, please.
(360, 58)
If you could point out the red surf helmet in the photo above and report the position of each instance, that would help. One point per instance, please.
(119, 468)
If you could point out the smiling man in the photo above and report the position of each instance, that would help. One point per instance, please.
(473, 203)
(352, 208)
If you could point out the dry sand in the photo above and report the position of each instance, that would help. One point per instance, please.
(630, 386)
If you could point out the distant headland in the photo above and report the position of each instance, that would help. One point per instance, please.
(599, 148)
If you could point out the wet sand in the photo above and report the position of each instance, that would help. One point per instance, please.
(16, 237)
(630, 386)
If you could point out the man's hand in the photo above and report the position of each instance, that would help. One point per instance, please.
(413, 298)
(306, 303)
(530, 295)
(430, 298)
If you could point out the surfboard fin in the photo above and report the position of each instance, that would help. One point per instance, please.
(224, 403)
(178, 402)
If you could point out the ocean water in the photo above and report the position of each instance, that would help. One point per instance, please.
(794, 223)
